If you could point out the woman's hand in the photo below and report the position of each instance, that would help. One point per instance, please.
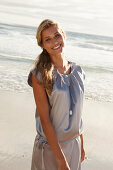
(82, 154)
(63, 165)
(82, 149)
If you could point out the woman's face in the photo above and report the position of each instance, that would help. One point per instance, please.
(53, 40)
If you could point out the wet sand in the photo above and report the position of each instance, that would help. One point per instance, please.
(17, 132)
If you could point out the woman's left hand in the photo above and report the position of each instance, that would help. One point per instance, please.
(82, 154)
(82, 149)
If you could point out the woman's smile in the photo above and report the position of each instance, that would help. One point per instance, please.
(57, 47)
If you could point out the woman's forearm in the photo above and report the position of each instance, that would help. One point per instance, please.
(52, 139)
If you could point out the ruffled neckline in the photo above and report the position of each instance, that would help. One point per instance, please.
(74, 80)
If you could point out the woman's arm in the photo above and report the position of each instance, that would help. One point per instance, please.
(43, 110)
(82, 149)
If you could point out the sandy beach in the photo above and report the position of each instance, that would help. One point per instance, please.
(17, 132)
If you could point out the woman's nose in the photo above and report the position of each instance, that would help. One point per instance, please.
(55, 42)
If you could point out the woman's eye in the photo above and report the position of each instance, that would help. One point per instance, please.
(57, 35)
(48, 39)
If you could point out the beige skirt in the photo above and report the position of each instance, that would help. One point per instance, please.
(43, 157)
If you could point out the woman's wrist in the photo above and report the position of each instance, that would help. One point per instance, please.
(63, 164)
(61, 160)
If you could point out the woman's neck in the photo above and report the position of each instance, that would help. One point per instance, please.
(61, 64)
(59, 61)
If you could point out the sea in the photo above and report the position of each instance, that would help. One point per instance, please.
(88, 25)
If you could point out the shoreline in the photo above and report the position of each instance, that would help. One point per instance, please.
(17, 132)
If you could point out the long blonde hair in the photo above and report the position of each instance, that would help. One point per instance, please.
(43, 61)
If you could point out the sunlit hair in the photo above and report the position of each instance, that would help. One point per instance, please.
(43, 61)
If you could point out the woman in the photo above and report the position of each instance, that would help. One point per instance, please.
(58, 91)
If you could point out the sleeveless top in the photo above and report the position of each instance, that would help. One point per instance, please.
(65, 101)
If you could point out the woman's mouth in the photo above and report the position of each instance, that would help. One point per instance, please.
(57, 47)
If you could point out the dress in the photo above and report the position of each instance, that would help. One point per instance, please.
(65, 101)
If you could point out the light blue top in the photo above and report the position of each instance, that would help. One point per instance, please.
(66, 102)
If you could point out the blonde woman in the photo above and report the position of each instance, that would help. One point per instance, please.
(58, 92)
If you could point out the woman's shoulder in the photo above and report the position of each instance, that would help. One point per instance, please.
(76, 68)
(36, 72)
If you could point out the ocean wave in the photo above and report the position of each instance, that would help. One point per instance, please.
(91, 41)
(15, 58)
(23, 29)
(87, 68)
(98, 69)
